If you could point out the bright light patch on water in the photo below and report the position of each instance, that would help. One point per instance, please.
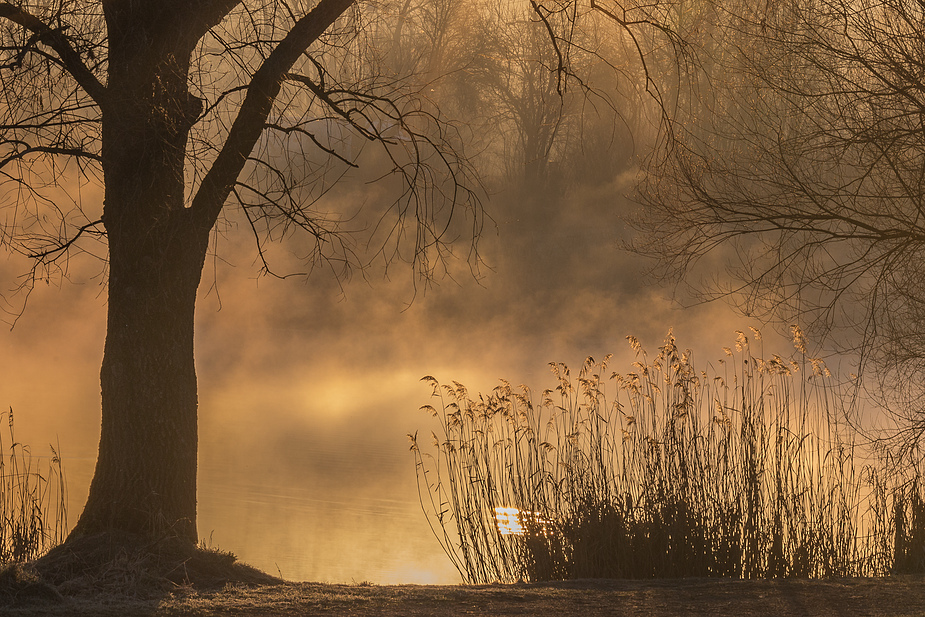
(508, 521)
(515, 522)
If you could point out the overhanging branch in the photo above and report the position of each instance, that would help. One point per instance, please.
(53, 253)
(56, 40)
(251, 118)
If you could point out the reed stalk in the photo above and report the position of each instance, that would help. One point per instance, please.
(33, 512)
(741, 470)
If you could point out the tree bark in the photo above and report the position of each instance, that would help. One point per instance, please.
(145, 479)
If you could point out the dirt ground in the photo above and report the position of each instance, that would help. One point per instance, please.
(590, 598)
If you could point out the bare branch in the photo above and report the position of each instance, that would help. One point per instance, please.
(53, 150)
(59, 249)
(57, 40)
(251, 118)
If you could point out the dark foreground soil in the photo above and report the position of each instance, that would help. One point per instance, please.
(120, 575)
(589, 598)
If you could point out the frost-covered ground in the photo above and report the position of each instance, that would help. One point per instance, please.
(713, 597)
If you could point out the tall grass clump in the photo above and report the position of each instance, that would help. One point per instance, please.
(33, 512)
(743, 470)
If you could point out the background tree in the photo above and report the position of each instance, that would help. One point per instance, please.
(424, 38)
(514, 76)
(188, 114)
(790, 148)
(805, 168)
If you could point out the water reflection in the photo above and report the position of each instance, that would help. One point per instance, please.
(344, 535)
(303, 533)
(515, 522)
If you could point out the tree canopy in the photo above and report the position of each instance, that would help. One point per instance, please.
(272, 102)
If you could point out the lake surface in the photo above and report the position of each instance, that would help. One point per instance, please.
(304, 533)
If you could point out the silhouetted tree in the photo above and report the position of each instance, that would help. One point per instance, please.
(188, 112)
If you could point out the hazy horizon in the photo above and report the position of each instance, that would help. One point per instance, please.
(307, 390)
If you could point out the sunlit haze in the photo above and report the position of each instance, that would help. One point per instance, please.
(308, 388)
(307, 392)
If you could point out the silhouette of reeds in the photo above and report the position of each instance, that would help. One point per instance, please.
(666, 471)
(33, 512)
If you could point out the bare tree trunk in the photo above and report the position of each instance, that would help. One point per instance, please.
(145, 480)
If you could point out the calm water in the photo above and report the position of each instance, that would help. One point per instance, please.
(348, 535)
(351, 533)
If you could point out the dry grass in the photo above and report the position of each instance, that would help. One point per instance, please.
(739, 471)
(38, 568)
(33, 512)
(116, 569)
